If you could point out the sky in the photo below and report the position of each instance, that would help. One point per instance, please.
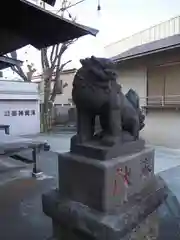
(116, 20)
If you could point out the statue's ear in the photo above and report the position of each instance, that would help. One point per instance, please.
(81, 61)
(94, 59)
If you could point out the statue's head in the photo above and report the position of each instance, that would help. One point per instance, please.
(104, 63)
(102, 68)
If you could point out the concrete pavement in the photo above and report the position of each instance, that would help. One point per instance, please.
(21, 215)
(165, 158)
(60, 142)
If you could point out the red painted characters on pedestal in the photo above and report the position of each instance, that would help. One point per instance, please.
(146, 169)
(125, 175)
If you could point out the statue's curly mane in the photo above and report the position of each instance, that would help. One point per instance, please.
(95, 72)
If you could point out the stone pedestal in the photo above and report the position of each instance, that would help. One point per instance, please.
(103, 199)
(104, 185)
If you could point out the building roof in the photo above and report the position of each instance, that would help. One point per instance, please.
(37, 78)
(149, 48)
(6, 62)
(30, 24)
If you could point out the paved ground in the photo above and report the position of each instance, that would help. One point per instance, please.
(59, 141)
(165, 157)
(21, 215)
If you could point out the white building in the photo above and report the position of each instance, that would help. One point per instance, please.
(149, 62)
(19, 104)
(63, 100)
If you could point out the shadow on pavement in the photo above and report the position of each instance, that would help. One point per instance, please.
(21, 215)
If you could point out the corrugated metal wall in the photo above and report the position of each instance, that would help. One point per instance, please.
(157, 32)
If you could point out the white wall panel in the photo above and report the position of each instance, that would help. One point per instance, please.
(26, 119)
(135, 79)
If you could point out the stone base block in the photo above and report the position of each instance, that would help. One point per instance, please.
(62, 232)
(104, 185)
(76, 221)
(97, 151)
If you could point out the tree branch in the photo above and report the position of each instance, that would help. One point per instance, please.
(69, 6)
(57, 58)
(57, 80)
(54, 66)
(13, 68)
(52, 53)
(63, 65)
(14, 55)
(19, 71)
(45, 57)
(59, 68)
(45, 64)
(31, 71)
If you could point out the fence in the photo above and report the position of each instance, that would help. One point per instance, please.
(162, 101)
(65, 113)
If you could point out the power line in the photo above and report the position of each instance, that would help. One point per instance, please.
(72, 5)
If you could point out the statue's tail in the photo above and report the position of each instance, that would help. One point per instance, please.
(133, 98)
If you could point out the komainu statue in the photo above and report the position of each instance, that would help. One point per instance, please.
(97, 94)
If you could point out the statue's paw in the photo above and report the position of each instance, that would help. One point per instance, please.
(99, 135)
(127, 137)
(74, 139)
(110, 140)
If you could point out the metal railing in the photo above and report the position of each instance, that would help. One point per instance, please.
(160, 100)
(157, 100)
